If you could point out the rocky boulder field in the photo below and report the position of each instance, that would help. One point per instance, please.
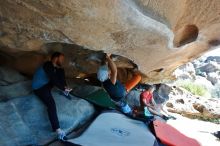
(202, 76)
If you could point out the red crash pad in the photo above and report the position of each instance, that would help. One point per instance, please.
(170, 136)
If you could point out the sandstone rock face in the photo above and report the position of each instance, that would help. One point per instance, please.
(24, 120)
(157, 36)
(133, 98)
(168, 104)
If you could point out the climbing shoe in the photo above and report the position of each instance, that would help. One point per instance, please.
(62, 136)
(165, 117)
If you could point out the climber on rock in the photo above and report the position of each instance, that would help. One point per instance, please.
(47, 76)
(107, 74)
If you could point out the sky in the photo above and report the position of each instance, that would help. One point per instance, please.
(215, 52)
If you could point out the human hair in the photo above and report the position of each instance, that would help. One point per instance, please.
(56, 54)
(103, 59)
(149, 87)
(157, 86)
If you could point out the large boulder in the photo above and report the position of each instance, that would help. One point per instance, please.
(10, 76)
(216, 91)
(133, 98)
(210, 67)
(214, 77)
(188, 68)
(137, 30)
(13, 84)
(186, 71)
(15, 90)
(203, 82)
(161, 94)
(24, 120)
(213, 58)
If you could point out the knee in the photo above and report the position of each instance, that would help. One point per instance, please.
(150, 109)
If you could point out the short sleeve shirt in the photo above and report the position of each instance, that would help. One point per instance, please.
(145, 97)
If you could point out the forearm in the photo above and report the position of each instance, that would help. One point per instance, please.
(155, 112)
(113, 68)
(147, 104)
(111, 65)
(153, 102)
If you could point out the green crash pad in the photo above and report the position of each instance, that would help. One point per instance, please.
(101, 98)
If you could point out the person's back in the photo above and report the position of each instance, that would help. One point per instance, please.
(40, 78)
(49, 74)
(146, 96)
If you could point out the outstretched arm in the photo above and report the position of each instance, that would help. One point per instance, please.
(113, 68)
(153, 102)
(149, 105)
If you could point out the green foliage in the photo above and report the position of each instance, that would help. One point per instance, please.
(201, 117)
(194, 88)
